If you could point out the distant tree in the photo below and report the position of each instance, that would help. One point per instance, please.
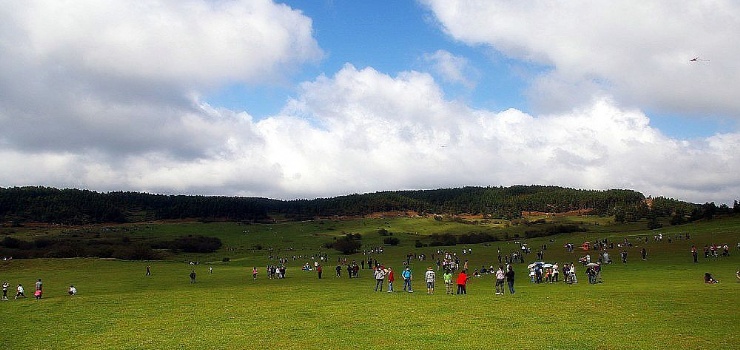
(709, 210)
(620, 216)
(349, 244)
(653, 223)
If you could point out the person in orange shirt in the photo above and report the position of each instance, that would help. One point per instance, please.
(462, 281)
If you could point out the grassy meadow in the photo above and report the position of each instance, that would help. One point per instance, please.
(658, 303)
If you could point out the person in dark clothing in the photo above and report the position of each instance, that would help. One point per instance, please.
(510, 279)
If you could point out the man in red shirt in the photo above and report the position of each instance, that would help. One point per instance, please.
(462, 281)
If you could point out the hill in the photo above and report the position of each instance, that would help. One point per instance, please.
(19, 205)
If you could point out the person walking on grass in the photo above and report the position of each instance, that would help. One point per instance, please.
(430, 276)
(379, 278)
(462, 282)
(510, 279)
(448, 281)
(20, 292)
(407, 277)
(391, 278)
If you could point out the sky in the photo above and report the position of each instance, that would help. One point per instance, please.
(312, 99)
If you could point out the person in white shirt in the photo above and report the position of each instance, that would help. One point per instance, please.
(429, 276)
(500, 277)
(20, 292)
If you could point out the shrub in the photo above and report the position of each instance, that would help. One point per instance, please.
(347, 245)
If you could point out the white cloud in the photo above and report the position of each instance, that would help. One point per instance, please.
(637, 51)
(185, 42)
(370, 131)
(364, 131)
(452, 68)
(124, 78)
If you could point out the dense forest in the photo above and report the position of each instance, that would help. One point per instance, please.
(73, 206)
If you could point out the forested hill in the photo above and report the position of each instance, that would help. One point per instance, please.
(73, 206)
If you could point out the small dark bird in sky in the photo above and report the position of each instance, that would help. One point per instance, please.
(697, 59)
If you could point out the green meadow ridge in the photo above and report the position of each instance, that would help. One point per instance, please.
(75, 207)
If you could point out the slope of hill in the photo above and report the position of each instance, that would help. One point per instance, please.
(73, 206)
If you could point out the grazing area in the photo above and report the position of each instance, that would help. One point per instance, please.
(659, 302)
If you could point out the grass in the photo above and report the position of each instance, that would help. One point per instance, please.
(658, 303)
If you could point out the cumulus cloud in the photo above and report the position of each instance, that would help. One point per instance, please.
(120, 77)
(452, 68)
(370, 131)
(636, 51)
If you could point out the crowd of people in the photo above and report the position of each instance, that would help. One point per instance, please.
(450, 263)
(384, 274)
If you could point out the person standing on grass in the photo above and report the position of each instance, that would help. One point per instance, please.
(407, 277)
(39, 289)
(192, 276)
(5, 290)
(694, 254)
(430, 276)
(379, 278)
(500, 276)
(319, 270)
(462, 281)
(448, 281)
(148, 270)
(391, 278)
(510, 279)
(643, 252)
(254, 273)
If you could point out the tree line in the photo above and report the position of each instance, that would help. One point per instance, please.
(74, 206)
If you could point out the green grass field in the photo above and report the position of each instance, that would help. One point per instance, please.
(659, 303)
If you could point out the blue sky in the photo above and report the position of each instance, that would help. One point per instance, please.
(390, 36)
(306, 99)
